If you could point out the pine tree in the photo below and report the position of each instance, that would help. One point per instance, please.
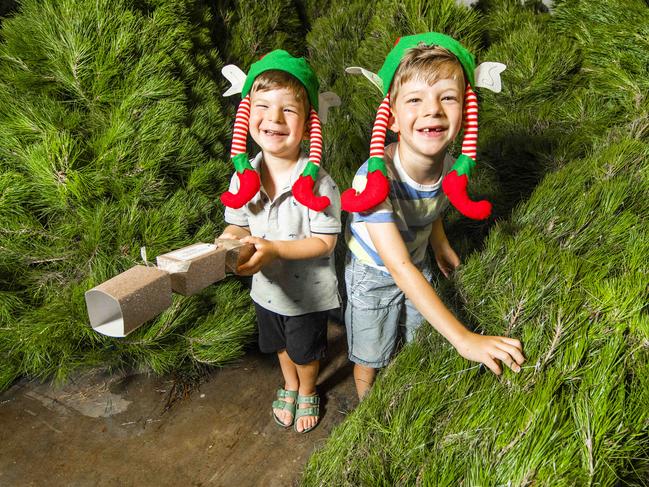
(6, 6)
(252, 29)
(564, 269)
(112, 139)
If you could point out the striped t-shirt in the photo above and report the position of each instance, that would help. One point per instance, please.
(413, 207)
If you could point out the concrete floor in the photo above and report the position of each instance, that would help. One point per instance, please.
(107, 430)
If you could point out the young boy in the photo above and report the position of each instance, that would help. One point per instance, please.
(387, 274)
(294, 282)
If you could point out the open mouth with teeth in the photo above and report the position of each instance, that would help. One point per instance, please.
(274, 133)
(431, 131)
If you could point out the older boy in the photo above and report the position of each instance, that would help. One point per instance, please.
(294, 282)
(387, 275)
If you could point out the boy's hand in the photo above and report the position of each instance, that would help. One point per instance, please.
(492, 351)
(265, 252)
(447, 259)
(228, 235)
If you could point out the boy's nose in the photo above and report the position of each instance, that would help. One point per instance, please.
(275, 115)
(432, 108)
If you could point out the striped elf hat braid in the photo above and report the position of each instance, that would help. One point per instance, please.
(303, 186)
(455, 182)
(377, 186)
(249, 182)
(248, 177)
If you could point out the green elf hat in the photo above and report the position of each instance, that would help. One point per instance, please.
(455, 182)
(248, 177)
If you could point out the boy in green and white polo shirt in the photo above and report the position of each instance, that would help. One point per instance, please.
(290, 211)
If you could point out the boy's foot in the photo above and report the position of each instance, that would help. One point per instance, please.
(284, 407)
(307, 414)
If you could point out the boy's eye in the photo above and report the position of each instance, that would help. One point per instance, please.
(260, 105)
(289, 110)
(449, 98)
(413, 100)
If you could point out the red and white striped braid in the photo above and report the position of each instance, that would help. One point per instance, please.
(315, 138)
(470, 142)
(240, 132)
(377, 143)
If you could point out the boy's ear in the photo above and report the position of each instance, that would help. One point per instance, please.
(305, 135)
(392, 122)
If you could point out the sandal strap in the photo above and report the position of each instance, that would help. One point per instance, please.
(281, 393)
(307, 412)
(288, 406)
(308, 399)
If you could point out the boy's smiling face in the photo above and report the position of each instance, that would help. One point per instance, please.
(277, 122)
(428, 117)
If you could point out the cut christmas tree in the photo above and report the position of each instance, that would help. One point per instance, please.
(112, 139)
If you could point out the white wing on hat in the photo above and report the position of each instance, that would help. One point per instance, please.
(236, 77)
(373, 77)
(327, 100)
(487, 75)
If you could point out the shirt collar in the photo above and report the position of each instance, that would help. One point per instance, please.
(298, 168)
(448, 162)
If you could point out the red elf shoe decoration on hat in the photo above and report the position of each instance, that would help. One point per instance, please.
(248, 178)
(455, 182)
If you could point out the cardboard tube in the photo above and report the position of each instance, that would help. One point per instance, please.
(234, 249)
(123, 303)
(195, 267)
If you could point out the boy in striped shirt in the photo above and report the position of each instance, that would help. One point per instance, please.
(427, 86)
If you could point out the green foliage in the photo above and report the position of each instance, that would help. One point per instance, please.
(253, 29)
(113, 139)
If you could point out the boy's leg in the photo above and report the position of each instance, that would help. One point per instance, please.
(363, 379)
(308, 375)
(291, 383)
(306, 344)
(371, 317)
(272, 339)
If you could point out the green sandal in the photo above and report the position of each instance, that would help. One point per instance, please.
(314, 410)
(280, 403)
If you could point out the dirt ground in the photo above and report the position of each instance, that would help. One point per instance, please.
(109, 430)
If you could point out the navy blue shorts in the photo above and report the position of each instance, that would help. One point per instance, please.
(304, 336)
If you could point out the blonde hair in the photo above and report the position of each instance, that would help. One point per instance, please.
(426, 63)
(277, 79)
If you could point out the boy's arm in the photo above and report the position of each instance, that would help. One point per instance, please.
(486, 349)
(319, 245)
(324, 225)
(446, 258)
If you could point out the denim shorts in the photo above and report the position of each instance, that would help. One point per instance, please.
(378, 314)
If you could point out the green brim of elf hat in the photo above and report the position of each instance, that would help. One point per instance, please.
(248, 178)
(281, 60)
(455, 182)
